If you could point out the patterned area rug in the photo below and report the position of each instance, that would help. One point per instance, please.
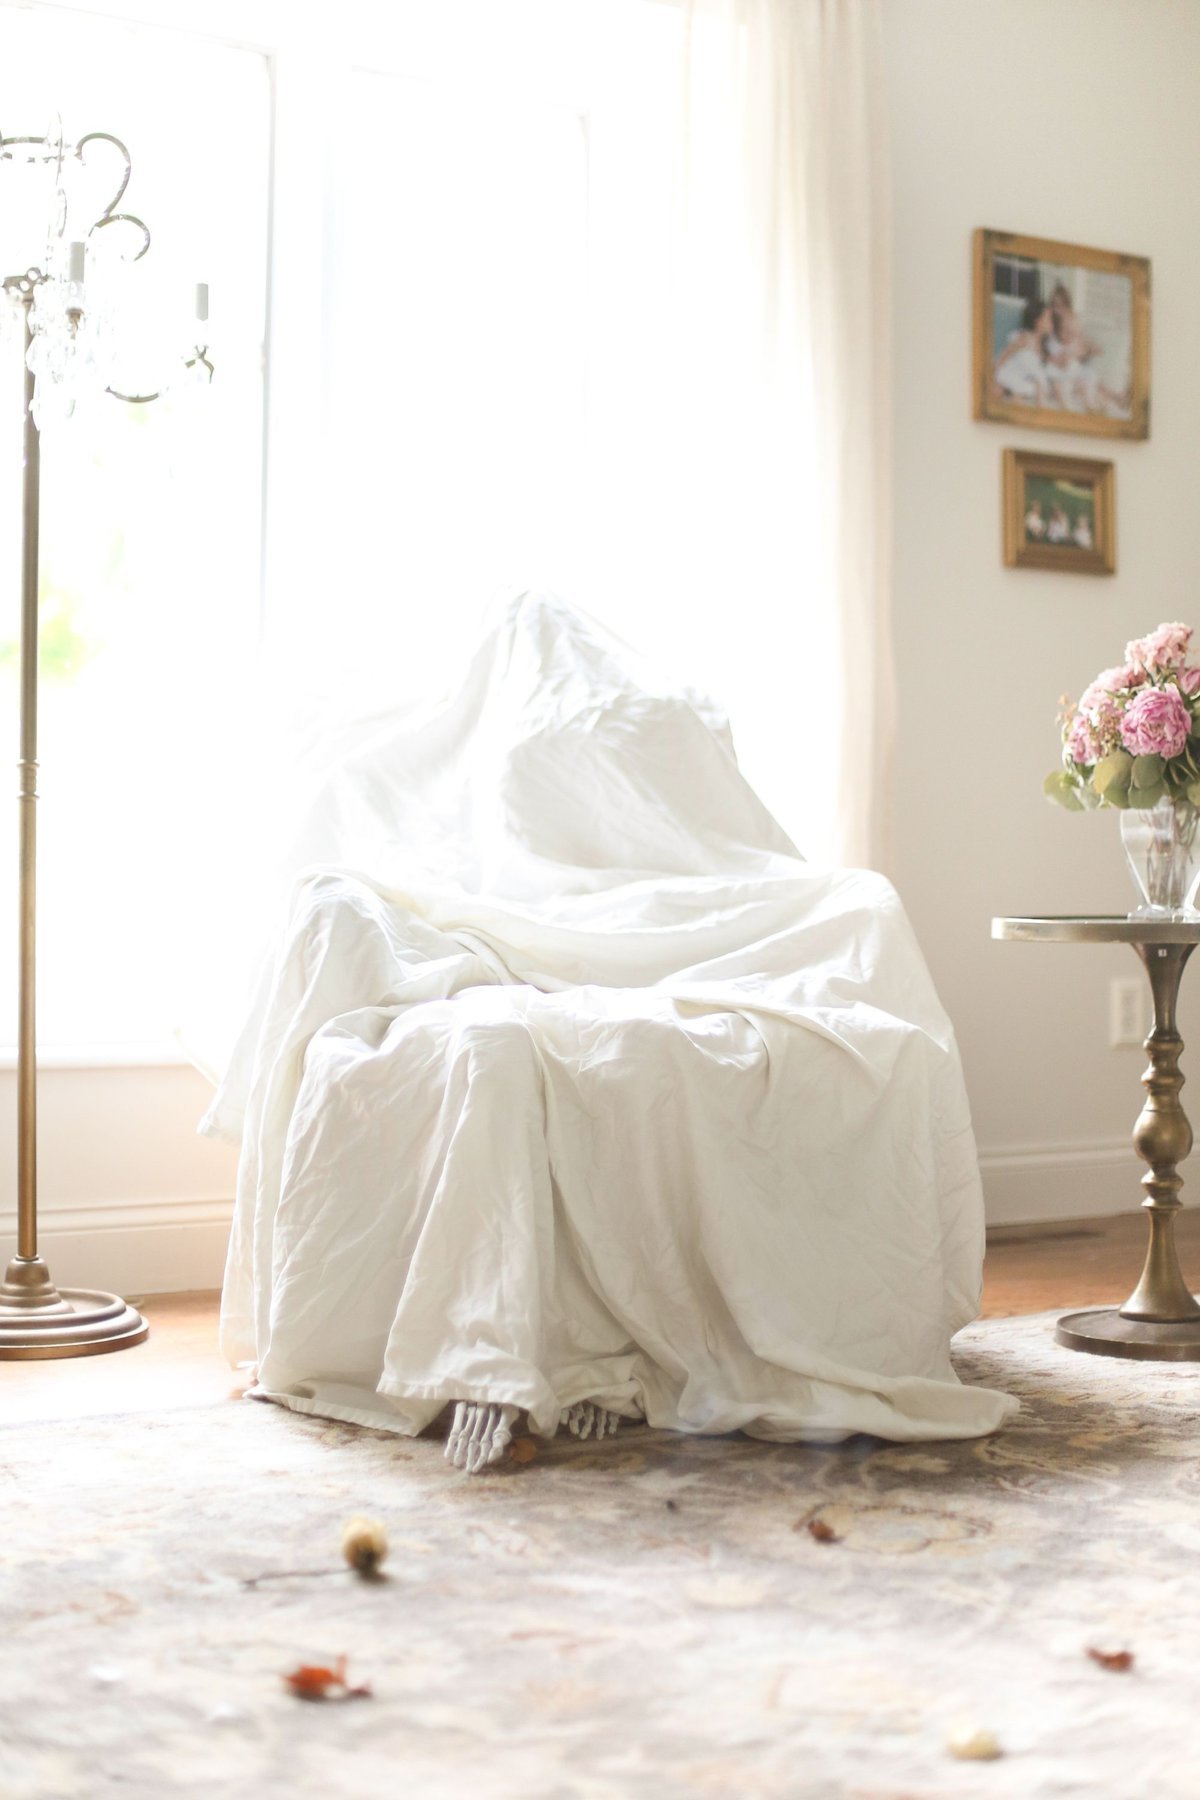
(649, 1616)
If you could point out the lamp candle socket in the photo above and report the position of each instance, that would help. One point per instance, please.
(202, 302)
(76, 264)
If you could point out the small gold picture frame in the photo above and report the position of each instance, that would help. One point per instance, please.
(1059, 513)
(1061, 338)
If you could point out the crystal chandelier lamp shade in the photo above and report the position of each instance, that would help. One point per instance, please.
(68, 245)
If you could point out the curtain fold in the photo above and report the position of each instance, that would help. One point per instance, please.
(785, 247)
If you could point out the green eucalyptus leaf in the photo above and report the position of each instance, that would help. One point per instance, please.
(1142, 799)
(1060, 788)
(1113, 771)
(1147, 771)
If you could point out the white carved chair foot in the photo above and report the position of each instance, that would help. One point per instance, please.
(480, 1434)
(587, 1419)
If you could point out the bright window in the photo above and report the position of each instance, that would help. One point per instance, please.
(495, 359)
(150, 528)
(524, 370)
(457, 367)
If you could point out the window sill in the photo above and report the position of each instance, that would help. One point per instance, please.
(101, 1056)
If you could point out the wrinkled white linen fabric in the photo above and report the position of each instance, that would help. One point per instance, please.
(569, 1080)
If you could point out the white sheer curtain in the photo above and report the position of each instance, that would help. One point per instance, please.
(602, 307)
(588, 295)
(785, 237)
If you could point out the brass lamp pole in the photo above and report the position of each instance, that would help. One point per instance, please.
(38, 1319)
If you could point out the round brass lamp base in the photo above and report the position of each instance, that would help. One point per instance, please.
(39, 1320)
(1106, 1332)
(92, 1323)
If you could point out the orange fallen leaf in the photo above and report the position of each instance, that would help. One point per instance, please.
(823, 1533)
(312, 1682)
(522, 1450)
(1120, 1661)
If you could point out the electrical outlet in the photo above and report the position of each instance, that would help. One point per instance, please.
(1127, 1024)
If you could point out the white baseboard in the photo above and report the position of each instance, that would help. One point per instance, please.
(145, 1247)
(1032, 1184)
(171, 1246)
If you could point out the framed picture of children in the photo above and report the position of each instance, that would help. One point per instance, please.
(1062, 336)
(1059, 513)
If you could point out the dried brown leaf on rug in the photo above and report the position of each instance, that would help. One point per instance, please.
(310, 1681)
(819, 1530)
(1120, 1661)
(522, 1450)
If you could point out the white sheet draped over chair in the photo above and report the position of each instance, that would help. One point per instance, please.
(570, 1080)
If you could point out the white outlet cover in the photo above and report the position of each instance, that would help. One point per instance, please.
(1127, 1010)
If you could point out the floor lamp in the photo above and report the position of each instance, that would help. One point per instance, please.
(66, 336)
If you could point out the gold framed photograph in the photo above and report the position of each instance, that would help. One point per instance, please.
(1059, 513)
(1061, 336)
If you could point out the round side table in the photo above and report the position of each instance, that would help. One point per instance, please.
(1161, 1318)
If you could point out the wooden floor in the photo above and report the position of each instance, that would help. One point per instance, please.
(180, 1364)
(1086, 1262)
(1030, 1268)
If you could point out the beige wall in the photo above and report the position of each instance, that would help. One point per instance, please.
(129, 1198)
(1074, 119)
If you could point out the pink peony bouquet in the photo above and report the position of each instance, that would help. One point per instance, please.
(1134, 736)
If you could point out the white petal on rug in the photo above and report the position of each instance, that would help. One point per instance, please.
(727, 1591)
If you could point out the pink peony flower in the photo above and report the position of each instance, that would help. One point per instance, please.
(1083, 746)
(1096, 696)
(1164, 648)
(1114, 681)
(1189, 680)
(1103, 715)
(1156, 722)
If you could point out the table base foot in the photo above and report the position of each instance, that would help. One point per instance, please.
(1105, 1332)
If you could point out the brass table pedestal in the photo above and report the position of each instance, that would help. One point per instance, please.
(1160, 1321)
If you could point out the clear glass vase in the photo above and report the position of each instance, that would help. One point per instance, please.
(1162, 847)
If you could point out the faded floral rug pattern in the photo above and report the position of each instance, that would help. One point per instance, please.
(648, 1616)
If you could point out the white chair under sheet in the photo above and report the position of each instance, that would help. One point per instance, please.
(571, 1083)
